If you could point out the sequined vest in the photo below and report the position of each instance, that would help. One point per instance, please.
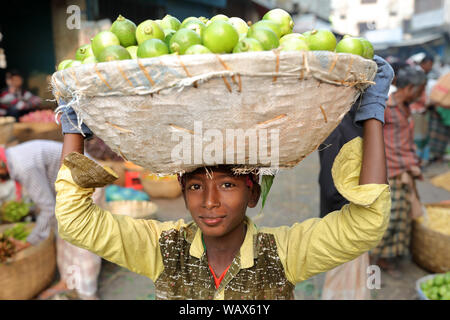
(187, 277)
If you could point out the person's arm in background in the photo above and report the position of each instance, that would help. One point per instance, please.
(7, 99)
(31, 100)
(35, 183)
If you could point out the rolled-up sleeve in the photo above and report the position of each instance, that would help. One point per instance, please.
(318, 245)
(128, 242)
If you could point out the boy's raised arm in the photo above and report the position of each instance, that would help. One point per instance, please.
(374, 169)
(359, 173)
(73, 142)
(123, 240)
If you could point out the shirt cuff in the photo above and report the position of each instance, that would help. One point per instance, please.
(69, 124)
(369, 111)
(346, 171)
(88, 174)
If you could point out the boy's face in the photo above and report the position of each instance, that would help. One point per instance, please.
(218, 202)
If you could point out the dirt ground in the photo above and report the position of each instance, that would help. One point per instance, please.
(294, 197)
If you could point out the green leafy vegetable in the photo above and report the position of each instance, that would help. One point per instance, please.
(19, 231)
(14, 211)
(266, 184)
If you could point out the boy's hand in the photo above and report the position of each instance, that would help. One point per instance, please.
(373, 101)
(69, 124)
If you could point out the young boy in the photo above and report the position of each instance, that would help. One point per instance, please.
(222, 254)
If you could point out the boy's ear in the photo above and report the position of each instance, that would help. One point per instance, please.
(255, 193)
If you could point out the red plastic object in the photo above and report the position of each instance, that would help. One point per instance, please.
(132, 180)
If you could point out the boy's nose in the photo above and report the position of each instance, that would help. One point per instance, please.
(211, 199)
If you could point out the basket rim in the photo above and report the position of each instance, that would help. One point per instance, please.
(431, 231)
(437, 233)
(205, 57)
(69, 90)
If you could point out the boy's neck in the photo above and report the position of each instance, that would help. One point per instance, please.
(222, 250)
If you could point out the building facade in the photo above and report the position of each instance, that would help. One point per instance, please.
(356, 17)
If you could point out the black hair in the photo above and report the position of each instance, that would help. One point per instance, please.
(182, 178)
(427, 58)
(13, 72)
(397, 65)
(407, 75)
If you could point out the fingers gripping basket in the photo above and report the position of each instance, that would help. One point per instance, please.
(144, 108)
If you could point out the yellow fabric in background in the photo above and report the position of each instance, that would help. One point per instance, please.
(442, 181)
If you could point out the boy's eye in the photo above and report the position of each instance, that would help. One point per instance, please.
(194, 186)
(228, 185)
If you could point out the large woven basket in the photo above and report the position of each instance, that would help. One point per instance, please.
(430, 249)
(173, 113)
(28, 272)
(6, 129)
(133, 208)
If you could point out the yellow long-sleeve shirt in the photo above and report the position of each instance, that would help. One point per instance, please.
(271, 260)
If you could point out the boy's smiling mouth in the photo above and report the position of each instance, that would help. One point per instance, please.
(212, 220)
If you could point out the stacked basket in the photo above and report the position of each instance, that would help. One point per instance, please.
(29, 271)
(430, 248)
(6, 129)
(133, 208)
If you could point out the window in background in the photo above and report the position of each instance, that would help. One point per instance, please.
(366, 26)
(421, 6)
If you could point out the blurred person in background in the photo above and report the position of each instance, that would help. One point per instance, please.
(396, 63)
(432, 125)
(403, 169)
(419, 108)
(15, 101)
(426, 63)
(438, 133)
(33, 166)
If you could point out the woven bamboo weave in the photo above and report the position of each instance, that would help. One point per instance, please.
(138, 106)
(430, 249)
(28, 272)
